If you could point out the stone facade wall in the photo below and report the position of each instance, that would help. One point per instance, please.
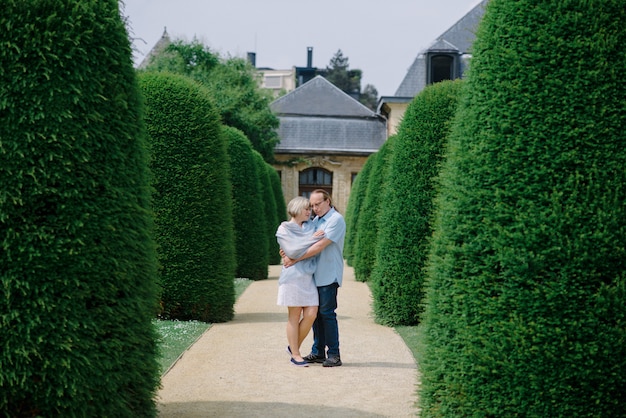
(342, 168)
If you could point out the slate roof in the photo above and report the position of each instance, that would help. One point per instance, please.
(319, 97)
(458, 38)
(159, 47)
(319, 118)
(463, 33)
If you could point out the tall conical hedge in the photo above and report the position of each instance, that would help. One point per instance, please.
(526, 306)
(353, 211)
(368, 222)
(250, 232)
(192, 200)
(280, 212)
(407, 205)
(78, 264)
(266, 211)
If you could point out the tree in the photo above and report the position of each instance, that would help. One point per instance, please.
(233, 83)
(349, 81)
(525, 310)
(407, 205)
(78, 289)
(338, 73)
(193, 199)
(369, 96)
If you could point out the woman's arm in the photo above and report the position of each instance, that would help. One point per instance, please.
(313, 250)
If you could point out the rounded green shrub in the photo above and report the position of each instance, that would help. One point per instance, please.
(407, 205)
(250, 229)
(526, 303)
(78, 265)
(192, 200)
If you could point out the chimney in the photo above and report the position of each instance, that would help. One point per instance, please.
(309, 57)
(252, 58)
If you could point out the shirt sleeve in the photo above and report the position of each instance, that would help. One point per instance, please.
(334, 228)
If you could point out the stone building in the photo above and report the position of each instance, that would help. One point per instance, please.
(325, 138)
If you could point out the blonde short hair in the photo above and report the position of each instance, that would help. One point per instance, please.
(297, 205)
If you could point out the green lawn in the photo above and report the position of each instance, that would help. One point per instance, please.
(411, 338)
(177, 336)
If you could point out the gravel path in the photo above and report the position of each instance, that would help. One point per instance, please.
(241, 369)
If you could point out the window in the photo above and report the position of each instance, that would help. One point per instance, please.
(273, 82)
(352, 179)
(315, 178)
(441, 68)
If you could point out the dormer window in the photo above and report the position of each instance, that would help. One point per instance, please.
(442, 67)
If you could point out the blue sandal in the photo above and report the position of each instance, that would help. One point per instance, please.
(299, 363)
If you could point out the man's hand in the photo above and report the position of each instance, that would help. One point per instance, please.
(288, 262)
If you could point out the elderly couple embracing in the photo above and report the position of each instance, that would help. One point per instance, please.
(312, 252)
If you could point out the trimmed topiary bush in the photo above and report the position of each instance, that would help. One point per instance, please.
(353, 211)
(266, 211)
(526, 305)
(407, 205)
(281, 213)
(78, 265)
(368, 222)
(250, 228)
(193, 199)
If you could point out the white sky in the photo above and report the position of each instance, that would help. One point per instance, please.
(381, 38)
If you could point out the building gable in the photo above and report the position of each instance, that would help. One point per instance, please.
(319, 97)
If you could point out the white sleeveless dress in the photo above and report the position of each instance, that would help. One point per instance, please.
(296, 286)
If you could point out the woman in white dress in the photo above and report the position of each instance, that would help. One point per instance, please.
(296, 288)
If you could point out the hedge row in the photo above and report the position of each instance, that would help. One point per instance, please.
(192, 200)
(402, 245)
(368, 224)
(79, 247)
(251, 244)
(525, 309)
(78, 260)
(353, 211)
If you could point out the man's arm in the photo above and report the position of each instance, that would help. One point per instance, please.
(313, 250)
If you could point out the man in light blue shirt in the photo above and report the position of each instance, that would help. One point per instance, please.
(328, 276)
